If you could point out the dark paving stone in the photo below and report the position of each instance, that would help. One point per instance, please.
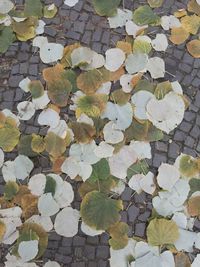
(103, 252)
(133, 213)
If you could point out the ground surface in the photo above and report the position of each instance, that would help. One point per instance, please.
(82, 24)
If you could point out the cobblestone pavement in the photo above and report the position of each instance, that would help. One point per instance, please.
(82, 24)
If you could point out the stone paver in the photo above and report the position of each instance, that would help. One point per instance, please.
(82, 24)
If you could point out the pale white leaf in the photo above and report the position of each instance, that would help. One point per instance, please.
(167, 177)
(26, 110)
(196, 262)
(51, 52)
(40, 28)
(60, 130)
(167, 113)
(84, 152)
(23, 166)
(9, 113)
(41, 102)
(13, 261)
(147, 183)
(37, 184)
(65, 196)
(1, 157)
(143, 38)
(142, 149)
(47, 206)
(120, 19)
(104, 150)
(49, 117)
(140, 100)
(51, 264)
(11, 224)
(177, 87)
(120, 162)
(134, 182)
(104, 88)
(81, 55)
(132, 28)
(111, 135)
(71, 167)
(121, 115)
(28, 250)
(85, 119)
(24, 84)
(156, 67)
(160, 43)
(119, 189)
(125, 82)
(97, 61)
(180, 219)
(114, 59)
(85, 170)
(89, 231)
(44, 221)
(39, 41)
(8, 171)
(136, 62)
(6, 6)
(66, 222)
(118, 258)
(11, 212)
(185, 240)
(71, 3)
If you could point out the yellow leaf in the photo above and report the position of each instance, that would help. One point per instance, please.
(194, 206)
(191, 23)
(116, 75)
(119, 97)
(29, 204)
(193, 48)
(180, 13)
(179, 35)
(57, 163)
(155, 3)
(162, 232)
(25, 30)
(135, 80)
(181, 260)
(2, 229)
(125, 46)
(55, 145)
(2, 119)
(194, 7)
(37, 143)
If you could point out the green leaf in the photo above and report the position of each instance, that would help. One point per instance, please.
(119, 235)
(138, 168)
(103, 186)
(7, 37)
(50, 13)
(162, 232)
(10, 189)
(144, 15)
(99, 211)
(72, 77)
(142, 47)
(145, 85)
(9, 135)
(36, 88)
(194, 186)
(100, 170)
(154, 134)
(137, 131)
(50, 185)
(189, 167)
(33, 8)
(162, 89)
(24, 146)
(106, 7)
